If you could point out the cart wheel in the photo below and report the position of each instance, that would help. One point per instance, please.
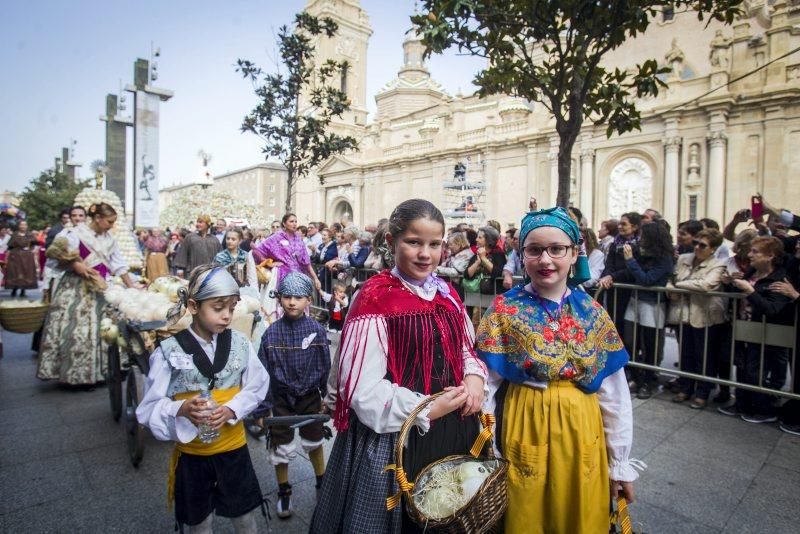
(134, 431)
(114, 381)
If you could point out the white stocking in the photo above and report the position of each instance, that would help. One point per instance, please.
(206, 527)
(245, 524)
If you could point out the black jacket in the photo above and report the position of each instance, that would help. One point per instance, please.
(649, 271)
(616, 266)
(766, 303)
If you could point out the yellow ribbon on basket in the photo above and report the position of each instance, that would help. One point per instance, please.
(231, 437)
(622, 517)
(487, 420)
(402, 481)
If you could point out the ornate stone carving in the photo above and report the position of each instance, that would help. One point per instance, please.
(675, 58)
(630, 187)
(587, 154)
(693, 179)
(672, 144)
(717, 139)
(719, 56)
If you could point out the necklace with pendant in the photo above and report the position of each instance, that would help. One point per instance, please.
(553, 323)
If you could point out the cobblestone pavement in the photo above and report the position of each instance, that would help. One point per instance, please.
(64, 466)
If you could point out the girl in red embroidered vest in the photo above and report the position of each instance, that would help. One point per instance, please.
(406, 336)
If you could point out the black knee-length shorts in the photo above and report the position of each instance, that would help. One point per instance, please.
(224, 483)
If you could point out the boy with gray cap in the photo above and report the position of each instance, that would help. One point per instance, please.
(294, 349)
(202, 383)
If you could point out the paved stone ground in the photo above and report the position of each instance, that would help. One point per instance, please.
(64, 467)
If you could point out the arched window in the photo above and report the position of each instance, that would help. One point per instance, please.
(345, 68)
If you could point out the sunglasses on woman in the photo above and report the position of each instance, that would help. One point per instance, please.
(700, 244)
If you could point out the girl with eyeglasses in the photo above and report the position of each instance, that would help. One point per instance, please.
(557, 387)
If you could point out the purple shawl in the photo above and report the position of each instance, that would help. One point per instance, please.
(289, 250)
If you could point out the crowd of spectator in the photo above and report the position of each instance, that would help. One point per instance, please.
(680, 284)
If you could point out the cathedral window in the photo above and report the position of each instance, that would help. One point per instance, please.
(345, 68)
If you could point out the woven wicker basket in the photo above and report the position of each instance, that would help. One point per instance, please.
(483, 510)
(25, 319)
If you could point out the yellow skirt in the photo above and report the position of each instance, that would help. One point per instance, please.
(558, 479)
(156, 266)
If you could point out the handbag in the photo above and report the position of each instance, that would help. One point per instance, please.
(473, 285)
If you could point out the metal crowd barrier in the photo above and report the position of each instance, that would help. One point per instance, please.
(761, 333)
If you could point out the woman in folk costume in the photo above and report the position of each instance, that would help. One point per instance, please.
(407, 336)
(156, 248)
(289, 254)
(558, 388)
(207, 474)
(21, 261)
(71, 350)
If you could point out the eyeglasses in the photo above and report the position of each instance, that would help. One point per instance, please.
(700, 244)
(554, 251)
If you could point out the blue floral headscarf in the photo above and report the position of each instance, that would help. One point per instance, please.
(557, 218)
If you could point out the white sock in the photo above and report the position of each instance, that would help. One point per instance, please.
(206, 527)
(245, 524)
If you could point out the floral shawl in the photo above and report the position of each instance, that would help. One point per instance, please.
(516, 341)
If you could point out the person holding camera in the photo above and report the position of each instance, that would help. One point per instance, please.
(762, 303)
(616, 269)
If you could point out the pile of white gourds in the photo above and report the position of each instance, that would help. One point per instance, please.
(20, 303)
(154, 303)
(450, 485)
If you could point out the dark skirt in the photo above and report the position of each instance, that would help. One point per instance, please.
(21, 269)
(354, 491)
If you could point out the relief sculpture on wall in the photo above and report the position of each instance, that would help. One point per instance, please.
(630, 187)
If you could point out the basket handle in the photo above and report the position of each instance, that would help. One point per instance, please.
(487, 420)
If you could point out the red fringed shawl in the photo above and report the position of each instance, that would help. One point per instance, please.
(410, 323)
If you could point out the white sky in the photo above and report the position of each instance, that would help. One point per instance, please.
(62, 58)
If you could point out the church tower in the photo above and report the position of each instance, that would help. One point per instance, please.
(349, 44)
(413, 89)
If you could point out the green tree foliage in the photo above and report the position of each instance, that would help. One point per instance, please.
(47, 195)
(300, 139)
(551, 51)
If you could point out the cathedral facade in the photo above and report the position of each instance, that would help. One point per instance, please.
(727, 127)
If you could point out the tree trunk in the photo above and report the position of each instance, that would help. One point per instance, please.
(290, 185)
(564, 166)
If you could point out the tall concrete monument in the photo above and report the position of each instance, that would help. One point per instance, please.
(145, 142)
(116, 144)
